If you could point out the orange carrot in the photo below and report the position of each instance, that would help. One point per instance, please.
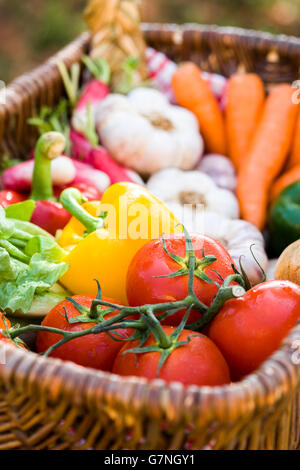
(194, 93)
(294, 158)
(285, 180)
(245, 100)
(267, 154)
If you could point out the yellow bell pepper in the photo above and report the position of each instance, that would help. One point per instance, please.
(102, 246)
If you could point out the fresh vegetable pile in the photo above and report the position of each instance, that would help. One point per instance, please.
(133, 239)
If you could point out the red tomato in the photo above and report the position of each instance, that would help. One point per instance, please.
(10, 197)
(89, 192)
(151, 260)
(3, 338)
(250, 328)
(199, 362)
(50, 215)
(3, 327)
(2, 323)
(96, 351)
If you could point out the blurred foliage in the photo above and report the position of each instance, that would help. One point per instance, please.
(31, 30)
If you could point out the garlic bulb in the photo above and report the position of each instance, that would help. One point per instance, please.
(144, 132)
(220, 169)
(271, 269)
(237, 236)
(195, 189)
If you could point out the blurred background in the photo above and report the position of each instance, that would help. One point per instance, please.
(31, 30)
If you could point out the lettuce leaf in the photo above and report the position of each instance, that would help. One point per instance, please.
(19, 287)
(22, 282)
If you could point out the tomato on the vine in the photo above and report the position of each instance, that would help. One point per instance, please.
(94, 350)
(249, 329)
(145, 286)
(198, 362)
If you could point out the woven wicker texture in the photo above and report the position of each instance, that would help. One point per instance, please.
(116, 35)
(47, 404)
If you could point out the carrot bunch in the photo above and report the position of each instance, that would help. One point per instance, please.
(267, 154)
(261, 135)
(194, 93)
(245, 101)
(291, 172)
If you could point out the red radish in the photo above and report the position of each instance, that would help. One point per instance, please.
(93, 93)
(64, 171)
(99, 158)
(81, 146)
(19, 177)
(85, 173)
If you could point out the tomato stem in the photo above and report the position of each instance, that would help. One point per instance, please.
(163, 341)
(226, 292)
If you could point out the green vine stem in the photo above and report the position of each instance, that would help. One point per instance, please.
(122, 319)
(226, 292)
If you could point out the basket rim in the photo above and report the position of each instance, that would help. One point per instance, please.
(266, 39)
(261, 40)
(269, 384)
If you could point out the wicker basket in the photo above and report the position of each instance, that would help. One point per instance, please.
(48, 404)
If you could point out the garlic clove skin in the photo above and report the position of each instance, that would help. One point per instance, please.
(224, 202)
(113, 102)
(193, 188)
(145, 133)
(220, 169)
(147, 100)
(271, 269)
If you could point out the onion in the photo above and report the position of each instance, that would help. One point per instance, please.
(288, 265)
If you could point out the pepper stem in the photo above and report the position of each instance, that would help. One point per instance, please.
(71, 199)
(50, 145)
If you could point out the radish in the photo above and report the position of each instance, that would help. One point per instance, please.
(81, 146)
(64, 171)
(93, 93)
(99, 158)
(87, 174)
(19, 177)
